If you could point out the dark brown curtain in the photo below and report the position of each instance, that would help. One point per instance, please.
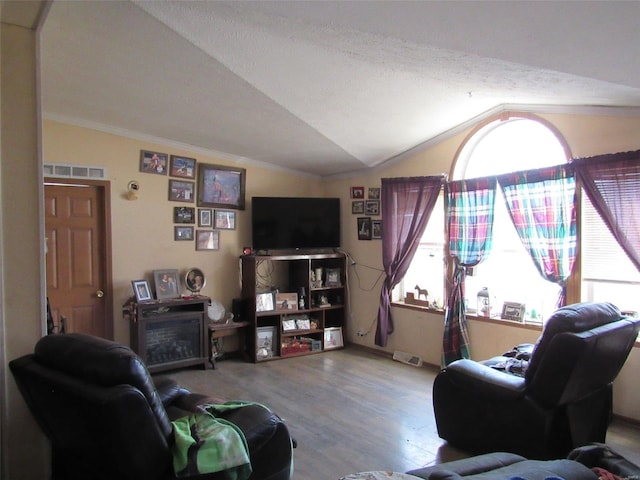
(612, 183)
(407, 204)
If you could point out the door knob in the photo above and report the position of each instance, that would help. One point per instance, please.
(100, 294)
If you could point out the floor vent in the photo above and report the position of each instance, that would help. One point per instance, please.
(407, 358)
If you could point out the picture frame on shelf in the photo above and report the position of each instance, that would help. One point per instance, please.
(167, 283)
(333, 338)
(332, 277)
(364, 228)
(372, 207)
(376, 229)
(513, 311)
(195, 280)
(303, 324)
(289, 325)
(221, 186)
(181, 191)
(265, 342)
(205, 217)
(183, 167)
(286, 301)
(224, 219)
(357, 207)
(265, 302)
(207, 240)
(184, 215)
(182, 233)
(153, 162)
(142, 290)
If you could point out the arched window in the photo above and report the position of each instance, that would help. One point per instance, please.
(509, 144)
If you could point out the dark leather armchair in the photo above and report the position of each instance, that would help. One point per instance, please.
(106, 417)
(561, 400)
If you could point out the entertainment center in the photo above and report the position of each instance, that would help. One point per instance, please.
(283, 326)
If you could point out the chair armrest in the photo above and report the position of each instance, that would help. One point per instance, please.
(484, 380)
(168, 390)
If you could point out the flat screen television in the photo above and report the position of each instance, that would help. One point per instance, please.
(295, 223)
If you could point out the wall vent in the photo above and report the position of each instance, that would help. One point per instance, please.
(74, 171)
(407, 358)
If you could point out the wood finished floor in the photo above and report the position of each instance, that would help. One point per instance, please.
(352, 410)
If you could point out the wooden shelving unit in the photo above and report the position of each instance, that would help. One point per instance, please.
(316, 328)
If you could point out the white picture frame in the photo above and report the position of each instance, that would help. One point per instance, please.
(333, 338)
(264, 302)
(142, 290)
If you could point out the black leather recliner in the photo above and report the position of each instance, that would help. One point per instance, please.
(562, 400)
(106, 418)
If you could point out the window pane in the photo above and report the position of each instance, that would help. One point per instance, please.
(427, 268)
(607, 273)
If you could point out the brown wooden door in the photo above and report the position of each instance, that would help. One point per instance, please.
(78, 256)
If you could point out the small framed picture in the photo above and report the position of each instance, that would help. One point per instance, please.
(364, 228)
(374, 193)
(204, 217)
(376, 229)
(207, 240)
(513, 311)
(182, 233)
(332, 277)
(333, 338)
(184, 215)
(372, 207)
(357, 206)
(357, 192)
(183, 167)
(180, 191)
(166, 283)
(264, 302)
(265, 342)
(286, 301)
(288, 325)
(142, 290)
(224, 219)
(153, 162)
(303, 324)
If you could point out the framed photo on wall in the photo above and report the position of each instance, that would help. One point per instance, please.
(364, 228)
(224, 219)
(220, 186)
(204, 217)
(180, 191)
(376, 229)
(207, 240)
(153, 162)
(182, 233)
(372, 207)
(184, 215)
(183, 167)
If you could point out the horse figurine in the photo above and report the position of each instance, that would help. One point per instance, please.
(421, 291)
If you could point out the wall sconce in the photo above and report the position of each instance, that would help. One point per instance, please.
(132, 190)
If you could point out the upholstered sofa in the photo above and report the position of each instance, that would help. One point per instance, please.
(578, 465)
(107, 418)
(544, 405)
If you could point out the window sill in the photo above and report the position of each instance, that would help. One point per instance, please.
(420, 308)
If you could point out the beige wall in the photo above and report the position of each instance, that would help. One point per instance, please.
(24, 448)
(420, 332)
(142, 232)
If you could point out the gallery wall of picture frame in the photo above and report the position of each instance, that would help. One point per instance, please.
(217, 190)
(368, 228)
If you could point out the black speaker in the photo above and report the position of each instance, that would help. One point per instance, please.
(238, 308)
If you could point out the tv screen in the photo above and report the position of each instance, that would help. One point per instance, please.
(286, 223)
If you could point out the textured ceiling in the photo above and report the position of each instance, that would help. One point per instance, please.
(327, 88)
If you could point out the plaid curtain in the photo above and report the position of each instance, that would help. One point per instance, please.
(612, 183)
(542, 206)
(407, 204)
(469, 209)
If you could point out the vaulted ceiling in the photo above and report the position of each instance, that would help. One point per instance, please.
(328, 87)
